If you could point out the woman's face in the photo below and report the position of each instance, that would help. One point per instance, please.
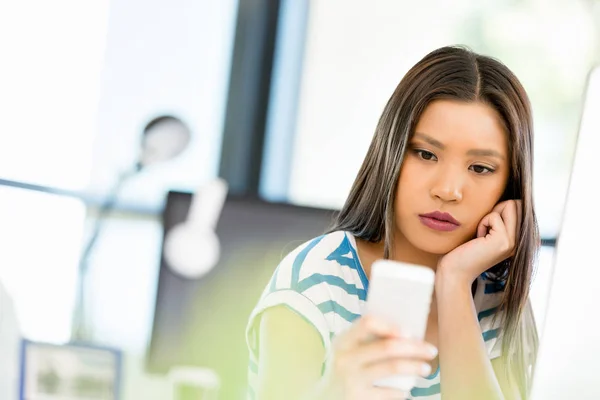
(456, 168)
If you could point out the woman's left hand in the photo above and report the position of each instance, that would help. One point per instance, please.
(496, 239)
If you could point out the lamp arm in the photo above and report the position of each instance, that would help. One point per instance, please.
(79, 325)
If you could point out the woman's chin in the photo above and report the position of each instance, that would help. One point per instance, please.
(436, 245)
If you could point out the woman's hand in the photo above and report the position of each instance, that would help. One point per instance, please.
(358, 360)
(497, 234)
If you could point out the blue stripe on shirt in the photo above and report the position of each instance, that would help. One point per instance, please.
(300, 259)
(494, 287)
(273, 286)
(491, 334)
(332, 280)
(253, 367)
(339, 255)
(421, 392)
(333, 306)
(357, 266)
(487, 313)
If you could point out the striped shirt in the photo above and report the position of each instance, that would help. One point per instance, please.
(324, 282)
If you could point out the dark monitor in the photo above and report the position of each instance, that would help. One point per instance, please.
(202, 322)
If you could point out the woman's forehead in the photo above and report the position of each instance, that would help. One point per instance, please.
(458, 124)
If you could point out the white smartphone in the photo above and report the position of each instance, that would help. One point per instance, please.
(400, 293)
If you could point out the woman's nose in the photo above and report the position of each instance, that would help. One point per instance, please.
(448, 187)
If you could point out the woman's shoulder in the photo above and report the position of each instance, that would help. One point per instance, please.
(326, 255)
(318, 280)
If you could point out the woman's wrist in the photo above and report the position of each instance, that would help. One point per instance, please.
(448, 280)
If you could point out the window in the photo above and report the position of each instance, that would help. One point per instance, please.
(356, 54)
(79, 83)
(42, 235)
(163, 59)
(50, 79)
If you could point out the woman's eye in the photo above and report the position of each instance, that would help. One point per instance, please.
(425, 155)
(481, 170)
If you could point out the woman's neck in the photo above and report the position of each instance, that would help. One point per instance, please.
(402, 250)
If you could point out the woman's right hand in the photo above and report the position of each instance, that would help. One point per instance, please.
(371, 350)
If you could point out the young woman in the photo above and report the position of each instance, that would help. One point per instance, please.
(447, 184)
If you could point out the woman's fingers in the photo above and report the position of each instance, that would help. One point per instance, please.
(510, 211)
(365, 330)
(482, 228)
(391, 367)
(491, 223)
(509, 216)
(394, 348)
(372, 350)
(384, 393)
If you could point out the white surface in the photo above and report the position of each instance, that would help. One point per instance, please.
(570, 349)
(10, 345)
(540, 288)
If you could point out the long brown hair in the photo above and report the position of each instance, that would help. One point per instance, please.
(457, 73)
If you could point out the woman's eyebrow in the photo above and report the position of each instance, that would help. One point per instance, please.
(472, 152)
(430, 140)
(485, 153)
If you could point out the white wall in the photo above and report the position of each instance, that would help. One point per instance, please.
(161, 57)
(357, 52)
(10, 343)
(52, 55)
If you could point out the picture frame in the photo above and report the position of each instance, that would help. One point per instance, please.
(69, 372)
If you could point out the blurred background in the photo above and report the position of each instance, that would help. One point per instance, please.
(272, 93)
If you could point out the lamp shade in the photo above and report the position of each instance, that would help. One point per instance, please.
(192, 248)
(163, 138)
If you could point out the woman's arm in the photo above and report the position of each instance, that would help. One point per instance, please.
(291, 355)
(468, 374)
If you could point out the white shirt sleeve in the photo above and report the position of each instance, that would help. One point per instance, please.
(284, 290)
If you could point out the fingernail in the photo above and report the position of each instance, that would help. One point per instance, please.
(425, 369)
(433, 351)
